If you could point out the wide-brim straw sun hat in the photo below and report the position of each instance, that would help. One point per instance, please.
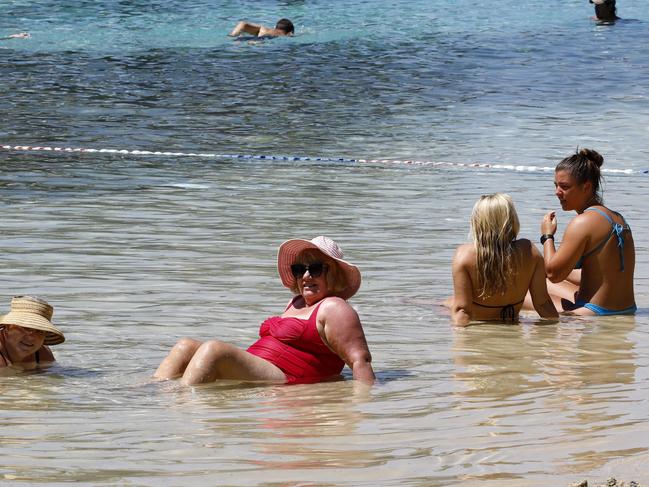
(34, 313)
(291, 249)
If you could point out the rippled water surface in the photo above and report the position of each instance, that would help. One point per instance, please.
(137, 251)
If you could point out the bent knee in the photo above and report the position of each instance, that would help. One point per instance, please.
(185, 345)
(215, 349)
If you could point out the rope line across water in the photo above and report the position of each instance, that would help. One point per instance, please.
(135, 152)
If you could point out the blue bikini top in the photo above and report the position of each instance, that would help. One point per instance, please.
(616, 229)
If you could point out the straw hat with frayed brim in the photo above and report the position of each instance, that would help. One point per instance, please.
(291, 249)
(30, 312)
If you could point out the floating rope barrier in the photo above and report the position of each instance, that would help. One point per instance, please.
(210, 155)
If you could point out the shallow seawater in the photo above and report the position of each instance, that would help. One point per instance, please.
(139, 254)
(136, 251)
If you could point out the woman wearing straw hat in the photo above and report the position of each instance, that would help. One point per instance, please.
(25, 333)
(316, 335)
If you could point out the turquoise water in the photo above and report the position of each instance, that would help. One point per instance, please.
(515, 82)
(137, 251)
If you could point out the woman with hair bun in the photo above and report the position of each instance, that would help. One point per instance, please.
(591, 273)
(492, 275)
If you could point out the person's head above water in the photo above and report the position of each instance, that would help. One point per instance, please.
(33, 313)
(25, 329)
(322, 255)
(605, 9)
(584, 167)
(285, 26)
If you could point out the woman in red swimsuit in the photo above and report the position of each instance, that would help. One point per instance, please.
(312, 340)
(25, 333)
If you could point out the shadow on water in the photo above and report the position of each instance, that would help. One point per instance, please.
(55, 371)
(62, 371)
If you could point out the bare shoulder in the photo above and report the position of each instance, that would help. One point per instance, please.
(45, 354)
(335, 305)
(585, 226)
(337, 314)
(584, 221)
(535, 255)
(523, 244)
(530, 256)
(464, 254)
(525, 247)
(269, 31)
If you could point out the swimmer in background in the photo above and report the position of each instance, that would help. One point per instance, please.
(284, 27)
(20, 35)
(605, 10)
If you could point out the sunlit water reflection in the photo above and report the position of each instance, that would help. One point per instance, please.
(139, 254)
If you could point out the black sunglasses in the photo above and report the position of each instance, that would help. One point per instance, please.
(315, 269)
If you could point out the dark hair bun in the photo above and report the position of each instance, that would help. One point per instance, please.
(593, 156)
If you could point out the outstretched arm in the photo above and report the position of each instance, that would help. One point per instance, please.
(344, 335)
(21, 35)
(246, 27)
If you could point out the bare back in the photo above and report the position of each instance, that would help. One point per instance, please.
(527, 275)
(607, 272)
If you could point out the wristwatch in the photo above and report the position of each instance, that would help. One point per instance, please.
(545, 237)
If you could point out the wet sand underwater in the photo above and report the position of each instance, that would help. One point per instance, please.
(139, 255)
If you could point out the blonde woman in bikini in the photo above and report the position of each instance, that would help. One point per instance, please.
(492, 275)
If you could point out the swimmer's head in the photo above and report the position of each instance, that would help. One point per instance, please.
(605, 9)
(285, 26)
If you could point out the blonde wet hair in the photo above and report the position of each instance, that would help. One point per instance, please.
(494, 228)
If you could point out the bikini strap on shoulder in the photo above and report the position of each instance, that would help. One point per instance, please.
(610, 220)
(617, 229)
(626, 225)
